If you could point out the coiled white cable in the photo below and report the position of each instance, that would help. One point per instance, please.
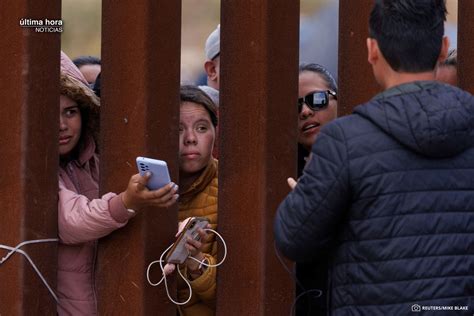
(201, 263)
(18, 250)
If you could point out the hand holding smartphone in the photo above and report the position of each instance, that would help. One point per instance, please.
(178, 253)
(159, 169)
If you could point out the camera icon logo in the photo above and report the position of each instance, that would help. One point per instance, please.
(416, 308)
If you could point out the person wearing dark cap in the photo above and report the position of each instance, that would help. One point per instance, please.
(389, 190)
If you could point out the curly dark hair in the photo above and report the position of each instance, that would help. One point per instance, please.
(88, 102)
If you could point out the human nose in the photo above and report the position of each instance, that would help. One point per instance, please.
(190, 138)
(306, 111)
(62, 123)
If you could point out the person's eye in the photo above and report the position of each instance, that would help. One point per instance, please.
(71, 112)
(181, 129)
(202, 128)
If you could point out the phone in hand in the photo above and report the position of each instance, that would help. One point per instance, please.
(178, 253)
(159, 169)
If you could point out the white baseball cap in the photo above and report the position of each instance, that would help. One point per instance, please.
(213, 43)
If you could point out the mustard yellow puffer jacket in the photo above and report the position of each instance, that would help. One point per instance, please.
(200, 200)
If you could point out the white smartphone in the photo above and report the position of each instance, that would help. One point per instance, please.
(159, 169)
(178, 253)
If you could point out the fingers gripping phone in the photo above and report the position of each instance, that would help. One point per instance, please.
(159, 169)
(178, 253)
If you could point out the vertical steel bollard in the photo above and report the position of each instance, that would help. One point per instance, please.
(356, 80)
(258, 117)
(140, 112)
(29, 89)
(465, 45)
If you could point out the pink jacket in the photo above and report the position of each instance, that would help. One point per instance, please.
(82, 219)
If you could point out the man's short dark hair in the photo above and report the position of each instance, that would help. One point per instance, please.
(409, 32)
(190, 93)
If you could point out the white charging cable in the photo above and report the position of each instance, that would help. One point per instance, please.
(201, 263)
(18, 250)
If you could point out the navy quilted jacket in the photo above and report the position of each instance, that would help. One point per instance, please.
(390, 191)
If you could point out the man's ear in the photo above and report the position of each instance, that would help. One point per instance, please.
(373, 51)
(443, 54)
(211, 70)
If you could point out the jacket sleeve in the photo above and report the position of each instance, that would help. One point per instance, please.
(81, 220)
(307, 219)
(204, 287)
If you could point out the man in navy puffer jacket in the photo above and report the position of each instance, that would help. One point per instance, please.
(389, 190)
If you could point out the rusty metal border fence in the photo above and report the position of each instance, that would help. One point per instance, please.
(466, 45)
(259, 82)
(141, 45)
(29, 90)
(356, 81)
(140, 112)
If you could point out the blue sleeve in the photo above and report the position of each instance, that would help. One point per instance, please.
(307, 219)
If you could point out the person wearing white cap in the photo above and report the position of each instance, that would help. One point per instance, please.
(211, 65)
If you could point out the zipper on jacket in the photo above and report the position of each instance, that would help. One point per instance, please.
(72, 175)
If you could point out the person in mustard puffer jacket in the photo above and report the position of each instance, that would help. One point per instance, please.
(198, 196)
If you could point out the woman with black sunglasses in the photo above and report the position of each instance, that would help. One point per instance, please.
(317, 106)
(317, 102)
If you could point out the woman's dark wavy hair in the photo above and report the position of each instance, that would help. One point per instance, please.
(89, 105)
(409, 32)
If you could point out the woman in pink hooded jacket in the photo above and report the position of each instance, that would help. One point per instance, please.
(83, 216)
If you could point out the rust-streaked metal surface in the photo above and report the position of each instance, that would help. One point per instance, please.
(258, 117)
(29, 90)
(356, 80)
(139, 117)
(466, 45)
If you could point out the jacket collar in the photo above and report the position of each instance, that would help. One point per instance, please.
(432, 119)
(209, 173)
(87, 150)
(404, 88)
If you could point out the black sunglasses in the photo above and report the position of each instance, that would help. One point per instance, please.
(316, 100)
